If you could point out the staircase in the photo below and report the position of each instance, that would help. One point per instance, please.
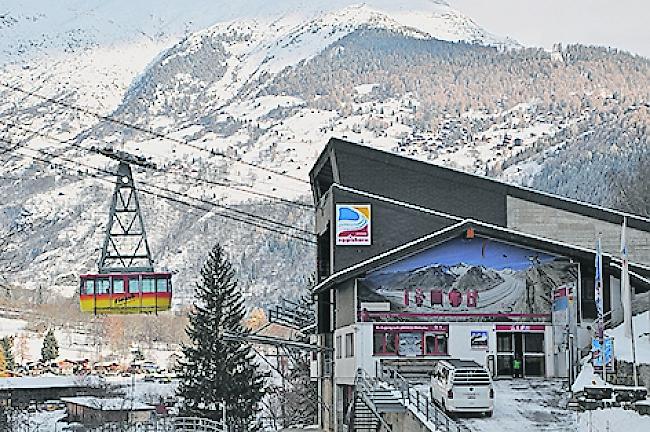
(372, 399)
(364, 418)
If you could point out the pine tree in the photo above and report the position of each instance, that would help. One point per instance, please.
(50, 349)
(7, 345)
(214, 370)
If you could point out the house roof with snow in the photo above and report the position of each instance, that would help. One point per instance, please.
(108, 404)
(48, 382)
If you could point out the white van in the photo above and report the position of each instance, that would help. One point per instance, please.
(462, 386)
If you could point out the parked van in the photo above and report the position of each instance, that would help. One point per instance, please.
(462, 386)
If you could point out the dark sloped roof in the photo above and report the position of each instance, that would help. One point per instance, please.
(338, 147)
(480, 228)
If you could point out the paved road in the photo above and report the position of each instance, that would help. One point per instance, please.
(525, 405)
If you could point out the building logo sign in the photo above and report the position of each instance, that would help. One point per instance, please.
(353, 225)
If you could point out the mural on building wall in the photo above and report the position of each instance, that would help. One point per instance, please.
(469, 279)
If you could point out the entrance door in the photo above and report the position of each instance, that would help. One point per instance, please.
(505, 354)
(524, 345)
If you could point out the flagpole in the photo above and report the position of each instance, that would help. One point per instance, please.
(599, 306)
(626, 289)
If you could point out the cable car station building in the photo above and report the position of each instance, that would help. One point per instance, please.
(417, 263)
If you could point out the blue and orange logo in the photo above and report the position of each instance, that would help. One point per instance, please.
(353, 224)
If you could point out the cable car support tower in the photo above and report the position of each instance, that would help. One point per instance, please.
(125, 247)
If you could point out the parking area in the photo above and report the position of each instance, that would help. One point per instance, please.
(526, 405)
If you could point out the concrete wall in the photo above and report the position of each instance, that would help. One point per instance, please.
(346, 308)
(576, 229)
(405, 422)
(345, 367)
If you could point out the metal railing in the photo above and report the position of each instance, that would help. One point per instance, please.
(364, 387)
(421, 402)
(197, 424)
(176, 424)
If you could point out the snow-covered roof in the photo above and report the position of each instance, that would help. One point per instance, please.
(108, 404)
(43, 382)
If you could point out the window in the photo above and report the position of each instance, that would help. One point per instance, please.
(588, 297)
(410, 344)
(90, 287)
(378, 341)
(338, 347)
(349, 345)
(391, 347)
(384, 343)
(441, 344)
(504, 342)
(103, 286)
(534, 342)
(147, 285)
(118, 286)
(435, 344)
(161, 285)
(134, 286)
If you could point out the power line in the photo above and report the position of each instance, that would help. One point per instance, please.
(146, 130)
(189, 177)
(173, 199)
(185, 195)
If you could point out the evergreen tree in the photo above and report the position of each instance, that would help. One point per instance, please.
(214, 370)
(7, 345)
(50, 349)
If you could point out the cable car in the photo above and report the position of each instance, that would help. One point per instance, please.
(126, 282)
(126, 293)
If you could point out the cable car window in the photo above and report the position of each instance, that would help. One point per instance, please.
(134, 286)
(147, 285)
(103, 286)
(90, 286)
(118, 286)
(161, 285)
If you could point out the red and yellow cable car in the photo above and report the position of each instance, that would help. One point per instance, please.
(128, 293)
(126, 282)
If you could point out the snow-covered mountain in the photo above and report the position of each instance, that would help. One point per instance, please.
(266, 83)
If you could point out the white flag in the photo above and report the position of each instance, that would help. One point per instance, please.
(626, 289)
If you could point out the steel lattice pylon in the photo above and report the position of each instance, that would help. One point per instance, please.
(125, 246)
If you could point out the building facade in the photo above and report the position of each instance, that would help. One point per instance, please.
(417, 262)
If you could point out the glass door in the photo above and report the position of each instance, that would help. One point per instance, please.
(505, 354)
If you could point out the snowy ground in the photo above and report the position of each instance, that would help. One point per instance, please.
(613, 420)
(525, 405)
(623, 345)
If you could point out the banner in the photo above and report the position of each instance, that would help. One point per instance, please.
(479, 340)
(467, 280)
(597, 355)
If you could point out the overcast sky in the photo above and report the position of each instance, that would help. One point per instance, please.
(622, 24)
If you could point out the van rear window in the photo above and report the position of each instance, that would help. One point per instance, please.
(474, 377)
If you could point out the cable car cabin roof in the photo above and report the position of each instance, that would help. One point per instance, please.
(125, 274)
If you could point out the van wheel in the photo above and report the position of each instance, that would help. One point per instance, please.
(488, 413)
